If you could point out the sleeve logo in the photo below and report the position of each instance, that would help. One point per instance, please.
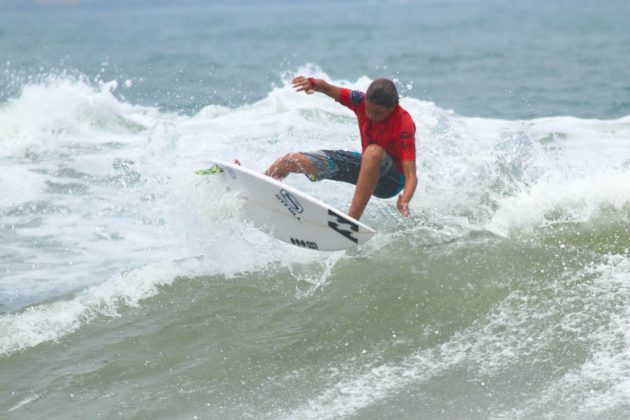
(356, 97)
(407, 140)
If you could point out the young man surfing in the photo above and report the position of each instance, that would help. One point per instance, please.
(387, 164)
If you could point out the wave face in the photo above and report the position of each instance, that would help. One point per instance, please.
(129, 283)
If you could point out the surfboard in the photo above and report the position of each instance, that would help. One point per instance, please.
(289, 214)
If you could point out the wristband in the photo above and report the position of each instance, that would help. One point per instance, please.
(313, 82)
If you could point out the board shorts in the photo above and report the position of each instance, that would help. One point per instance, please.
(344, 166)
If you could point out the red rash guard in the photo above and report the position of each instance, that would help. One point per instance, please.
(396, 134)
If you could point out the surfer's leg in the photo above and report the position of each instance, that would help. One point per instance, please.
(368, 178)
(391, 181)
(291, 163)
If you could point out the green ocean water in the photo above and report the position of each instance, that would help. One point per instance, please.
(437, 334)
(132, 288)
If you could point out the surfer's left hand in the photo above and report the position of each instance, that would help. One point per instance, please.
(403, 206)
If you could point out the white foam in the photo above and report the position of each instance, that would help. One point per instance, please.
(19, 185)
(350, 391)
(52, 321)
(24, 402)
(62, 109)
(563, 199)
(601, 384)
(516, 329)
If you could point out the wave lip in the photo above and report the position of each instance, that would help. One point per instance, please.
(563, 200)
(62, 109)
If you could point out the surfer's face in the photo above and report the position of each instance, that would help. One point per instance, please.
(376, 113)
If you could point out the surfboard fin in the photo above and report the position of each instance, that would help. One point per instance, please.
(214, 169)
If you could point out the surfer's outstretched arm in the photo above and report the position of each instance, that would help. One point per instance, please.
(311, 85)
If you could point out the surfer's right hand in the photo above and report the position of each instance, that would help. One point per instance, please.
(302, 84)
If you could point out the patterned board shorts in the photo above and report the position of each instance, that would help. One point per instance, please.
(341, 165)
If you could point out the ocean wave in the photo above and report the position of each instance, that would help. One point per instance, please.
(52, 321)
(123, 177)
(62, 110)
(600, 197)
(527, 324)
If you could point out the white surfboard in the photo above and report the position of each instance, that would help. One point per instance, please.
(289, 214)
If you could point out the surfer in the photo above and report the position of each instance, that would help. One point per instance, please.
(387, 164)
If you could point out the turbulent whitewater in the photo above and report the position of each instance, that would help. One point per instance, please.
(131, 287)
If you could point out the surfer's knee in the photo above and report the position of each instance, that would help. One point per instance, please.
(292, 163)
(289, 162)
(282, 167)
(294, 158)
(373, 153)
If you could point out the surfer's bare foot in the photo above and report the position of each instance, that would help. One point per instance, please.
(237, 162)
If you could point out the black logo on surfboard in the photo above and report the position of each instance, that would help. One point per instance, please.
(343, 226)
(304, 244)
(291, 203)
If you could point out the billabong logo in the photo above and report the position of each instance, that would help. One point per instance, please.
(339, 225)
(291, 203)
